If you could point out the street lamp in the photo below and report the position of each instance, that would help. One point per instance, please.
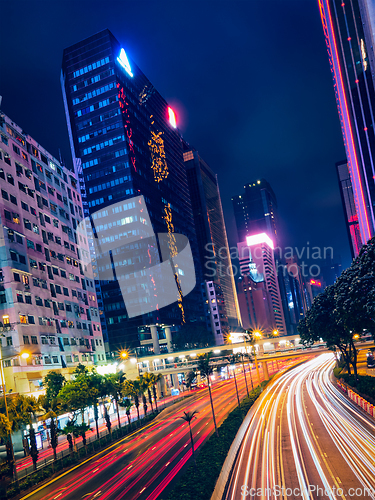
(275, 332)
(24, 355)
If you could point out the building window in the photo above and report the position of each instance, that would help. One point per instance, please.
(55, 359)
(9, 341)
(19, 297)
(16, 277)
(44, 340)
(34, 339)
(28, 299)
(26, 339)
(31, 320)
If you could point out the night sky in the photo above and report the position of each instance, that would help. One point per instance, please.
(250, 82)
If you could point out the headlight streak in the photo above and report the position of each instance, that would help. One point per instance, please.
(343, 422)
(351, 431)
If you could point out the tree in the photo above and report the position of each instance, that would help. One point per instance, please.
(52, 409)
(155, 380)
(132, 389)
(114, 388)
(190, 377)
(143, 386)
(205, 370)
(127, 404)
(149, 377)
(188, 416)
(232, 361)
(244, 355)
(53, 383)
(71, 432)
(5, 432)
(76, 396)
(107, 419)
(22, 411)
(322, 322)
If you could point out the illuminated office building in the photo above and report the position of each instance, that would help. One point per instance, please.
(212, 237)
(125, 143)
(257, 264)
(351, 217)
(255, 211)
(349, 34)
(48, 304)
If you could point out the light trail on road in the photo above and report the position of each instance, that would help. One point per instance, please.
(305, 440)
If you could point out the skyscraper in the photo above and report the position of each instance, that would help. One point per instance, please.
(255, 211)
(349, 34)
(48, 304)
(125, 143)
(351, 217)
(257, 262)
(211, 232)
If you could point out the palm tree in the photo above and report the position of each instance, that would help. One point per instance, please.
(127, 404)
(52, 409)
(132, 389)
(107, 419)
(188, 417)
(190, 377)
(249, 360)
(242, 354)
(232, 361)
(23, 410)
(206, 369)
(249, 336)
(114, 387)
(143, 386)
(148, 382)
(68, 431)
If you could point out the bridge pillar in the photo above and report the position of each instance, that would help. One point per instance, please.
(155, 339)
(168, 336)
(161, 388)
(265, 370)
(175, 381)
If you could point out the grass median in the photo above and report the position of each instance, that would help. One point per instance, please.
(199, 483)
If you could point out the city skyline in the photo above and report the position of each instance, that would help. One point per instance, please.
(285, 176)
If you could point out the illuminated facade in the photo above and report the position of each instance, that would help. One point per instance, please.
(125, 143)
(48, 303)
(212, 239)
(351, 217)
(349, 34)
(255, 211)
(257, 261)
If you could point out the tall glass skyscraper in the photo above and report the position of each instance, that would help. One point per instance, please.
(349, 32)
(210, 227)
(351, 217)
(255, 211)
(125, 143)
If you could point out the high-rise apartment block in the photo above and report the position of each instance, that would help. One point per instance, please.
(48, 304)
(349, 34)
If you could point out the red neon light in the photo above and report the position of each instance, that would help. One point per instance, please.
(316, 283)
(322, 15)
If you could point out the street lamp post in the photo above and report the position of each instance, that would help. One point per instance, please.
(24, 355)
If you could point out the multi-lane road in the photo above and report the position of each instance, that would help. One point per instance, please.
(142, 465)
(305, 440)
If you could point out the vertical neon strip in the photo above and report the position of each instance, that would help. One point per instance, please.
(345, 121)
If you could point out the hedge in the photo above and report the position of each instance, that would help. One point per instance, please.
(199, 483)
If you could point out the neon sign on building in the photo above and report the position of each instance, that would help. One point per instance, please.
(124, 61)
